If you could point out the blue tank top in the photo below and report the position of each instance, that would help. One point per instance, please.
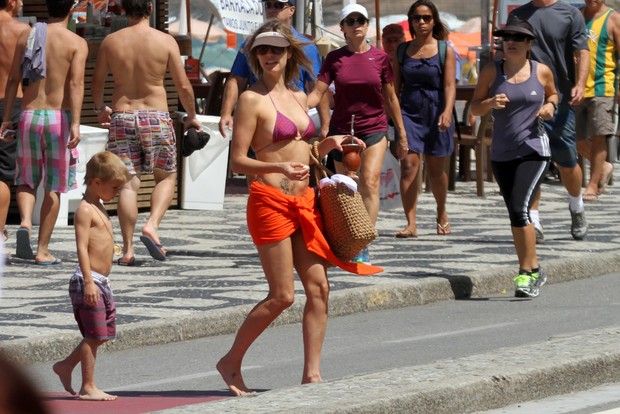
(517, 130)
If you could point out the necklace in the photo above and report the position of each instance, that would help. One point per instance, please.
(117, 248)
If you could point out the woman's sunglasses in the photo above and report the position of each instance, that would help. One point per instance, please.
(351, 21)
(275, 50)
(515, 37)
(278, 5)
(426, 17)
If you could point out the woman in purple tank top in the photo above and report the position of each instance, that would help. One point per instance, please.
(521, 93)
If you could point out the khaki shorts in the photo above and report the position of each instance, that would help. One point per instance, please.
(595, 117)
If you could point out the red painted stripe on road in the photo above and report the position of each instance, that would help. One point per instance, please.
(129, 402)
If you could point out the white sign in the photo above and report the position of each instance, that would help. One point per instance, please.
(506, 6)
(240, 16)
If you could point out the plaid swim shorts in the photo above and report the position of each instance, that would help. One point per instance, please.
(42, 147)
(144, 140)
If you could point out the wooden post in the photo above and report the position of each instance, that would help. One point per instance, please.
(378, 24)
(188, 14)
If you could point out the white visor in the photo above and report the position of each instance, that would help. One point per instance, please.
(271, 39)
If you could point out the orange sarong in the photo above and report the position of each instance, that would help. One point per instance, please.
(273, 216)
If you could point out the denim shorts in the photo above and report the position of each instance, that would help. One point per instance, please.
(562, 136)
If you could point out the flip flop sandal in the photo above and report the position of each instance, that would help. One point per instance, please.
(130, 262)
(24, 248)
(155, 249)
(54, 262)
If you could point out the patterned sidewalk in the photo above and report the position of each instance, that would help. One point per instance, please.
(213, 265)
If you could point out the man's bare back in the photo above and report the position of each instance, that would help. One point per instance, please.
(66, 55)
(139, 67)
(10, 29)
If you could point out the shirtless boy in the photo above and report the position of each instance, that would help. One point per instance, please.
(91, 296)
(10, 29)
(49, 126)
(141, 131)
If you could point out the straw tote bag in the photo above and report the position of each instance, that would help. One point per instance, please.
(346, 224)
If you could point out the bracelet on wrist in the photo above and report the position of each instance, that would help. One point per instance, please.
(100, 109)
(555, 106)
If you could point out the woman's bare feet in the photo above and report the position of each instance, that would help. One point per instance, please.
(64, 374)
(311, 379)
(96, 394)
(232, 377)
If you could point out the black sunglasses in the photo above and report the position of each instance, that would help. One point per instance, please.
(278, 5)
(351, 21)
(426, 17)
(515, 37)
(263, 49)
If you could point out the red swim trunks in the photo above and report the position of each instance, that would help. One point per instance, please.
(273, 216)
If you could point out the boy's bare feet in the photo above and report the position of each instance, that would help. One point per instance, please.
(232, 377)
(64, 374)
(96, 395)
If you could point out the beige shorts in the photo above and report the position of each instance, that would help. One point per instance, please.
(595, 117)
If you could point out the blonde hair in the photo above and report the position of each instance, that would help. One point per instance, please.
(294, 64)
(107, 167)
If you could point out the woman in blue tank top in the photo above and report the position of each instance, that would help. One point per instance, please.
(521, 93)
(427, 89)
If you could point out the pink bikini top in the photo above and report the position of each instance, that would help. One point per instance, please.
(285, 129)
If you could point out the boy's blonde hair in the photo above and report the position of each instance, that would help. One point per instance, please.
(107, 167)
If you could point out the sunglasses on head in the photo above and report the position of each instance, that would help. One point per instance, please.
(426, 17)
(278, 5)
(275, 50)
(515, 37)
(351, 21)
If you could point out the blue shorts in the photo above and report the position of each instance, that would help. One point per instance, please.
(562, 136)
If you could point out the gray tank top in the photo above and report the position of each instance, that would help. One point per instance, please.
(517, 130)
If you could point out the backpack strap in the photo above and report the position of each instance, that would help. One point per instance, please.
(441, 44)
(400, 52)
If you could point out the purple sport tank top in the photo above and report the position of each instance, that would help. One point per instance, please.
(517, 130)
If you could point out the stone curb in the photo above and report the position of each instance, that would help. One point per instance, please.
(479, 382)
(419, 291)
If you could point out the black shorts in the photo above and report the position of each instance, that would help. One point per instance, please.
(8, 150)
(369, 139)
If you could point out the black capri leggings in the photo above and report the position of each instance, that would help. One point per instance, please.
(518, 181)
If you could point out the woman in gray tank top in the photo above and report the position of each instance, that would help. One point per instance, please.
(521, 93)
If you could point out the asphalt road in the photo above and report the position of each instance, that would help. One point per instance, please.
(363, 343)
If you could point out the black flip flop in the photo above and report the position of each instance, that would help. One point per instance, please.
(131, 262)
(24, 248)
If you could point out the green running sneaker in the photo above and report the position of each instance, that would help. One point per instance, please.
(539, 278)
(525, 286)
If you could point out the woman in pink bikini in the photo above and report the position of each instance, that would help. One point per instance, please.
(271, 118)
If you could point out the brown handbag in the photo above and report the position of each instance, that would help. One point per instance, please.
(346, 223)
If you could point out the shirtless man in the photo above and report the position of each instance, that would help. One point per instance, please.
(51, 103)
(10, 29)
(139, 68)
